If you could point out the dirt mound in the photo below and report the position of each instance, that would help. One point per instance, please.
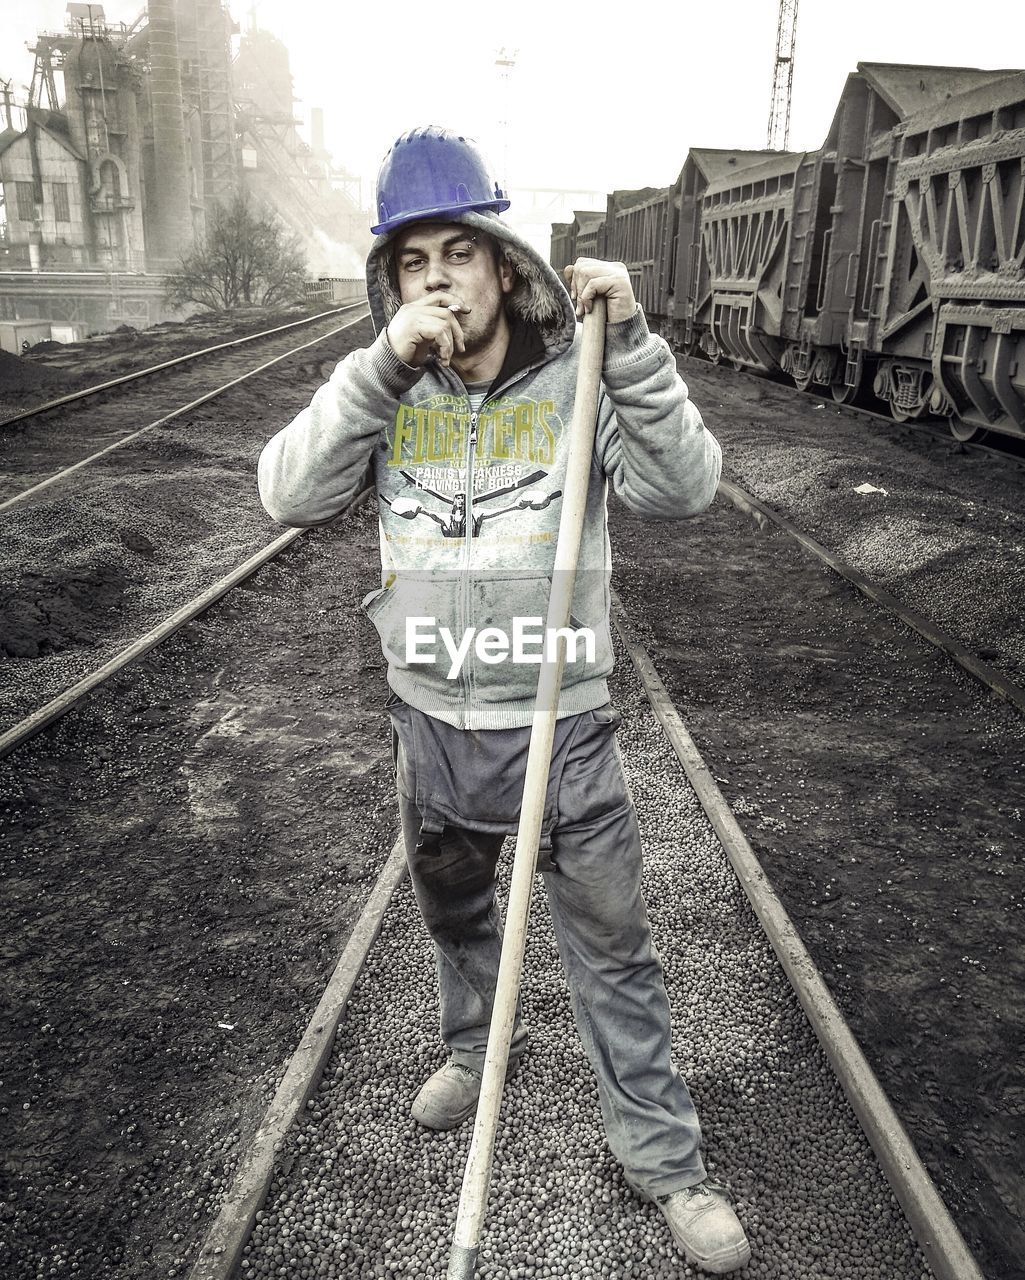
(21, 375)
(43, 614)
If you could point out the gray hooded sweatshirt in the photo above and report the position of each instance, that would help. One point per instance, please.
(470, 501)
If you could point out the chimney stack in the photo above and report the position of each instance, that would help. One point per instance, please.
(171, 205)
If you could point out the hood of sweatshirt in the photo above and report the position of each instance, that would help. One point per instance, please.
(538, 297)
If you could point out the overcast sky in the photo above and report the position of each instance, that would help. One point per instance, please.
(591, 102)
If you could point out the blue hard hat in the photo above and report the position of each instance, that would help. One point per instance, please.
(429, 172)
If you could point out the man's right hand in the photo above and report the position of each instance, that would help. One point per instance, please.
(427, 327)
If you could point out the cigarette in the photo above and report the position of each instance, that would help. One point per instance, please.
(457, 306)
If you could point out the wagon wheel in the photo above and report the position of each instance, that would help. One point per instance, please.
(842, 393)
(963, 431)
(802, 381)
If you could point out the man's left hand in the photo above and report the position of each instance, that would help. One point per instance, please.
(588, 278)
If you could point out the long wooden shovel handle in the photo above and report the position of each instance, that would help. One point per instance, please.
(477, 1176)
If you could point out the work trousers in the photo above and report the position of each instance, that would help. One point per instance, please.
(592, 863)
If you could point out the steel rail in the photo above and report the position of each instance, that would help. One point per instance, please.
(933, 1227)
(222, 1248)
(72, 396)
(989, 675)
(65, 472)
(935, 430)
(932, 428)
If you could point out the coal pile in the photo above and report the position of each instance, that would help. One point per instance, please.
(18, 375)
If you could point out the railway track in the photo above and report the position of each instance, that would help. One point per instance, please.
(357, 1189)
(879, 787)
(293, 1229)
(168, 895)
(1005, 449)
(139, 644)
(939, 529)
(771, 1232)
(769, 1051)
(776, 1230)
(982, 671)
(150, 371)
(745, 502)
(96, 555)
(89, 437)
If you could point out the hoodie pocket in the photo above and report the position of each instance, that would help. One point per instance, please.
(409, 616)
(517, 608)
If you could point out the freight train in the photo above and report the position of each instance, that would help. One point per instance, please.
(889, 265)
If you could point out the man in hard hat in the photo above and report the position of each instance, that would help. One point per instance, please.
(460, 411)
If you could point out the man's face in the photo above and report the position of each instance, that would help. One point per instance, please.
(443, 257)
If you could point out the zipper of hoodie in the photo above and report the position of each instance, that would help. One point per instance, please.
(468, 534)
(472, 445)
(468, 547)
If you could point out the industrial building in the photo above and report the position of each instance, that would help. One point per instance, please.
(129, 138)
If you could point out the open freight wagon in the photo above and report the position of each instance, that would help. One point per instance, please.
(890, 263)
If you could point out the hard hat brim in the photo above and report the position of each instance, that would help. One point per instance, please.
(441, 212)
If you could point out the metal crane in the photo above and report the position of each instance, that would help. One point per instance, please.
(783, 77)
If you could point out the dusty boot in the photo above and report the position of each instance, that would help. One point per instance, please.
(705, 1227)
(450, 1096)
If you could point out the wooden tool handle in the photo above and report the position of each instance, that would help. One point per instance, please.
(477, 1176)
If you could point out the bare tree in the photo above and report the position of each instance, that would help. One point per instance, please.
(246, 258)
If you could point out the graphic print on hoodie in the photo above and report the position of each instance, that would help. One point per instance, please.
(513, 446)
